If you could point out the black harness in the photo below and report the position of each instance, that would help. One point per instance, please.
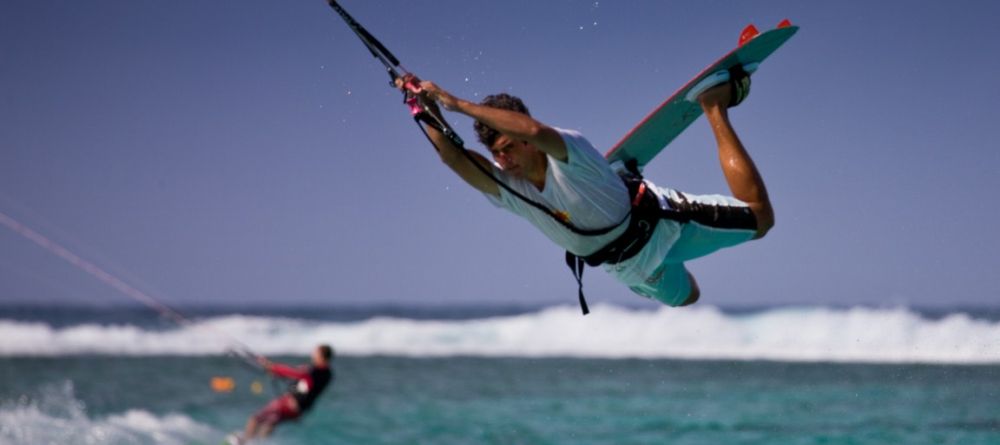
(321, 377)
(646, 211)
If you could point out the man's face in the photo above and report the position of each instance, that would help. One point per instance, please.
(516, 158)
(317, 356)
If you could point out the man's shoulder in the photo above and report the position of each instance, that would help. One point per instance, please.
(579, 150)
(567, 133)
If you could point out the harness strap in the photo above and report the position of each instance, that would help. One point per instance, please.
(577, 265)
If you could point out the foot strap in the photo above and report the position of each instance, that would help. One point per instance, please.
(739, 81)
(736, 73)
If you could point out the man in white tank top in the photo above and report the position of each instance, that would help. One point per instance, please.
(577, 188)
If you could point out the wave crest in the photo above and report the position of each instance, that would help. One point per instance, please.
(56, 416)
(786, 334)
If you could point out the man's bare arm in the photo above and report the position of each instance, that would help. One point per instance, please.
(453, 157)
(515, 125)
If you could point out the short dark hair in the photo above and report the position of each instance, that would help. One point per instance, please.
(503, 101)
(326, 351)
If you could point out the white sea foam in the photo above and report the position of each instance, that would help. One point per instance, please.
(789, 334)
(57, 418)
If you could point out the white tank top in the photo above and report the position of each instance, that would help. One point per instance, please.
(584, 187)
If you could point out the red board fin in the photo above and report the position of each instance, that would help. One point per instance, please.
(784, 23)
(748, 34)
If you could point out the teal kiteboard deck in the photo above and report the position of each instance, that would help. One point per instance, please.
(674, 115)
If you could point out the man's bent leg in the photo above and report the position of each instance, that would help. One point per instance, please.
(261, 424)
(714, 222)
(742, 175)
(266, 430)
(251, 428)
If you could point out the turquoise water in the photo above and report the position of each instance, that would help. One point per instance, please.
(465, 400)
(702, 375)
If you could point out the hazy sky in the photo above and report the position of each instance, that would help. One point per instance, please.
(223, 151)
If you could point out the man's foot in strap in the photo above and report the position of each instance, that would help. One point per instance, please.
(724, 88)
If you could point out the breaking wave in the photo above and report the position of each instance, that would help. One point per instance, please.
(58, 417)
(896, 335)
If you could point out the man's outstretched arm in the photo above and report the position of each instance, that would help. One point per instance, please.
(282, 370)
(452, 155)
(514, 125)
(459, 163)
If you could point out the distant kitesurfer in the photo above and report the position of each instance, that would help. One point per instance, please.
(308, 382)
(561, 170)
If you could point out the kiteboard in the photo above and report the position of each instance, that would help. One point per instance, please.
(674, 115)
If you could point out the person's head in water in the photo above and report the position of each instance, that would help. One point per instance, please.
(517, 158)
(322, 355)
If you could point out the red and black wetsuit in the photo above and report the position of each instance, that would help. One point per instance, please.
(308, 383)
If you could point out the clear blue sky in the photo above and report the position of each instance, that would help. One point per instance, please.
(224, 151)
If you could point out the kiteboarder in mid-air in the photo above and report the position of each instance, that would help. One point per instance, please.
(605, 213)
(642, 234)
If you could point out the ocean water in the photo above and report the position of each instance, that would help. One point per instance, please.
(544, 376)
